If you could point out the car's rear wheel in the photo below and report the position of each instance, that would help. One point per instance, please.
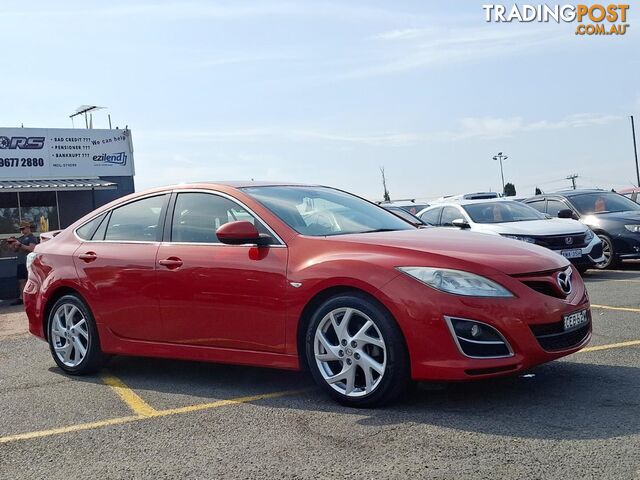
(73, 337)
(356, 351)
(610, 259)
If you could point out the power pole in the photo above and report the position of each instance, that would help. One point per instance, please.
(573, 179)
(386, 197)
(501, 157)
(635, 150)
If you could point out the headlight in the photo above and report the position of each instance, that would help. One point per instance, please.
(633, 228)
(588, 236)
(457, 282)
(522, 238)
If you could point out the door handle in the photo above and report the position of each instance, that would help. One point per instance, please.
(171, 263)
(88, 257)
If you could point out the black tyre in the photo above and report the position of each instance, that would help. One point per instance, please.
(356, 352)
(611, 260)
(73, 337)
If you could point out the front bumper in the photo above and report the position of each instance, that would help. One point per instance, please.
(627, 245)
(421, 313)
(591, 254)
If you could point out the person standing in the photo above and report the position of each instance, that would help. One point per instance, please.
(23, 245)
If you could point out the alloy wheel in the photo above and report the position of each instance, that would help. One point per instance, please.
(350, 352)
(69, 334)
(607, 251)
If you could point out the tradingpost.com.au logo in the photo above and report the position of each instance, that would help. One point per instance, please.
(593, 19)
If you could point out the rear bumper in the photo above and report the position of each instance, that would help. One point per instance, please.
(34, 305)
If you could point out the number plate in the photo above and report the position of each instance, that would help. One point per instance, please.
(574, 253)
(575, 319)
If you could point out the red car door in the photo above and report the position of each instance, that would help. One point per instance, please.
(117, 268)
(212, 294)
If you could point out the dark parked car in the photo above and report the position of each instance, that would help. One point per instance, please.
(613, 217)
(405, 215)
(407, 205)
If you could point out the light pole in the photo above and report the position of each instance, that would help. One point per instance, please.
(501, 157)
(635, 150)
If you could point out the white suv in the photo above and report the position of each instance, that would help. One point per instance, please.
(518, 221)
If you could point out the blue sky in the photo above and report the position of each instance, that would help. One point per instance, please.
(313, 91)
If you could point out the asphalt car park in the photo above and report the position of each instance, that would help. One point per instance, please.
(150, 418)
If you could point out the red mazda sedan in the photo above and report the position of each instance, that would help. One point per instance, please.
(295, 276)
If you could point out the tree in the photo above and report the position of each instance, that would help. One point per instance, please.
(386, 197)
(538, 191)
(509, 190)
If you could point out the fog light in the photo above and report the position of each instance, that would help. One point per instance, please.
(477, 339)
(476, 331)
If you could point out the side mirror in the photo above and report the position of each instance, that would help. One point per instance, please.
(460, 223)
(567, 213)
(241, 233)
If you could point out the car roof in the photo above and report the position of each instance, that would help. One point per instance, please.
(250, 183)
(402, 203)
(571, 193)
(471, 202)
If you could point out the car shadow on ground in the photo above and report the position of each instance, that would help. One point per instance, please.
(563, 400)
(626, 270)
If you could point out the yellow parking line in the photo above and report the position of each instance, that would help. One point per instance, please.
(154, 414)
(630, 343)
(128, 396)
(621, 309)
(222, 403)
(145, 411)
(70, 428)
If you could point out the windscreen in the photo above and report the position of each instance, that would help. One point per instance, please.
(322, 211)
(602, 202)
(502, 212)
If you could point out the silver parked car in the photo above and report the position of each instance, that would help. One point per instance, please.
(518, 221)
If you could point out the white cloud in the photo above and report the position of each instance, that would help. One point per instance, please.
(493, 127)
(423, 48)
(340, 11)
(483, 128)
(403, 34)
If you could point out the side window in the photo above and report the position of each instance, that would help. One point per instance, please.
(431, 216)
(449, 214)
(85, 232)
(197, 216)
(102, 229)
(554, 206)
(136, 221)
(538, 205)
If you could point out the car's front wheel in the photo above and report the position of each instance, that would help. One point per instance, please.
(356, 351)
(610, 258)
(73, 337)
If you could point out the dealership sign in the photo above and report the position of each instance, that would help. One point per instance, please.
(30, 153)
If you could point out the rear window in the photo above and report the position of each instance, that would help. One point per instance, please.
(86, 231)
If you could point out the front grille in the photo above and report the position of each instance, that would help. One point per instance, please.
(552, 337)
(559, 242)
(544, 287)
